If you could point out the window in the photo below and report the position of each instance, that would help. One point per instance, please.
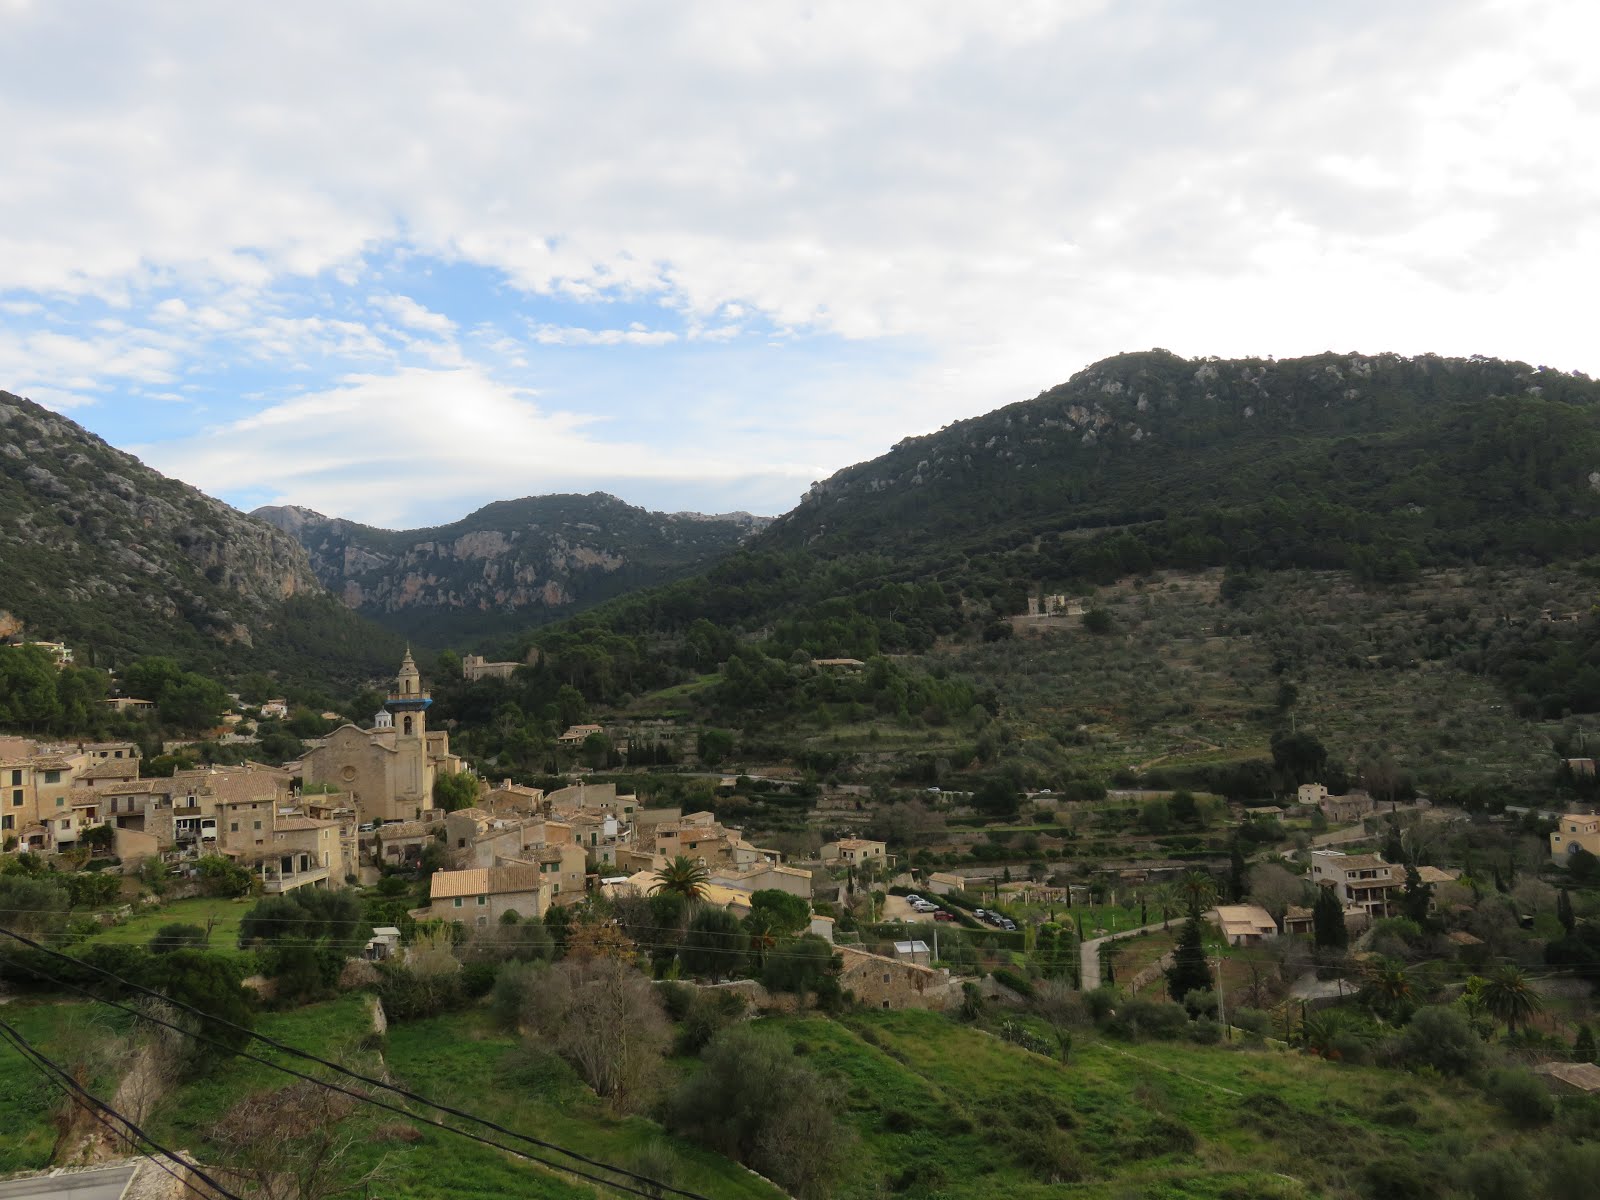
(16, 798)
(483, 920)
(5, 822)
(886, 978)
(61, 801)
(16, 779)
(258, 823)
(119, 754)
(233, 827)
(66, 823)
(52, 776)
(458, 901)
(482, 900)
(886, 1004)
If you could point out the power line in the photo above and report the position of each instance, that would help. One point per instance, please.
(661, 1188)
(266, 1062)
(59, 1074)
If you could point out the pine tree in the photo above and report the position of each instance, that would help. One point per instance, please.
(1327, 921)
(1188, 972)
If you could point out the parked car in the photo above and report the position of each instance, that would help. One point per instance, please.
(941, 915)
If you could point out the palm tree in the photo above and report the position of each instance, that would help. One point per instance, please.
(1510, 997)
(1388, 988)
(682, 877)
(1168, 899)
(1199, 891)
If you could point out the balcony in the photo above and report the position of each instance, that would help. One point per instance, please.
(273, 880)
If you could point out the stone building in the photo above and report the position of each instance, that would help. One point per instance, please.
(387, 771)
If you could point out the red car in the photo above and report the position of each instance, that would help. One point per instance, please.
(941, 915)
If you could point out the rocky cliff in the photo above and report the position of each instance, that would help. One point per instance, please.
(507, 565)
(102, 551)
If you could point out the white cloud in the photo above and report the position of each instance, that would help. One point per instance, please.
(412, 315)
(1013, 191)
(635, 335)
(391, 449)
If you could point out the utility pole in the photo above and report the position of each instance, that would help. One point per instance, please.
(1222, 1008)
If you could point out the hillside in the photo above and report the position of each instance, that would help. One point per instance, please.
(121, 561)
(509, 564)
(1364, 462)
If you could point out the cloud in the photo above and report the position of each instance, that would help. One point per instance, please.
(634, 335)
(412, 315)
(1004, 195)
(390, 449)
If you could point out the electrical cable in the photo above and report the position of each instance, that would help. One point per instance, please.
(64, 1077)
(662, 1188)
(323, 1083)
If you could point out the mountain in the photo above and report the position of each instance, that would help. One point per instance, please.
(1378, 465)
(508, 565)
(1372, 463)
(120, 561)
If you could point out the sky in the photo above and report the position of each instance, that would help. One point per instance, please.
(393, 260)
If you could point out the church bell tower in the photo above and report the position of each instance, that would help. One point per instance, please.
(408, 702)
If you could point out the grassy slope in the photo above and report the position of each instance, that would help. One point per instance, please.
(940, 1110)
(460, 1060)
(964, 1113)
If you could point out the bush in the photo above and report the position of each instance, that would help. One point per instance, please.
(1523, 1095)
(1496, 1175)
(753, 1101)
(1400, 1179)
(1017, 983)
(1148, 1019)
(177, 936)
(410, 995)
(1440, 1038)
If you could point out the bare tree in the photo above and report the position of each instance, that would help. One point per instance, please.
(1275, 888)
(606, 1019)
(291, 1144)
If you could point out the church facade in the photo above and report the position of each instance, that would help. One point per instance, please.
(388, 771)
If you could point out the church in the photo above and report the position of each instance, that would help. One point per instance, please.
(388, 770)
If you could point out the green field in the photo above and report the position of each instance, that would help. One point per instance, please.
(138, 929)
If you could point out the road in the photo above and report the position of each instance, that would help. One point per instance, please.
(1090, 952)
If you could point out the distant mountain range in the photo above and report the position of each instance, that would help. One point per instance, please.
(509, 565)
(1377, 464)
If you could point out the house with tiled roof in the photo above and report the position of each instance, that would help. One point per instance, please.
(482, 895)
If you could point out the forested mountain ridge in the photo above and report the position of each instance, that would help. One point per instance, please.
(121, 561)
(1377, 465)
(509, 564)
(1330, 461)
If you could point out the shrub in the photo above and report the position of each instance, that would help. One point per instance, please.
(1441, 1038)
(1017, 983)
(755, 1102)
(1571, 1171)
(1496, 1175)
(1146, 1018)
(1399, 1179)
(177, 936)
(1523, 1095)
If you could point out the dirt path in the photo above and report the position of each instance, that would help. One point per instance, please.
(1090, 952)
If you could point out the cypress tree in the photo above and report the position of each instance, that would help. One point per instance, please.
(1236, 873)
(1327, 921)
(1188, 972)
(1564, 913)
(1583, 1048)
